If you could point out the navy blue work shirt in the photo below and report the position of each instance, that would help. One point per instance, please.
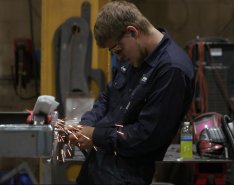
(137, 118)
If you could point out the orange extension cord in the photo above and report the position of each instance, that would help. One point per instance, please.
(200, 84)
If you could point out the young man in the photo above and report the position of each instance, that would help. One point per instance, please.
(132, 124)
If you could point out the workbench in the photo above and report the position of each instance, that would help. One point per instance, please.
(198, 170)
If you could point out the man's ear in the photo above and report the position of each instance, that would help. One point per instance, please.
(132, 30)
(132, 33)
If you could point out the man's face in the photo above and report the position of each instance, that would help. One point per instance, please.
(128, 48)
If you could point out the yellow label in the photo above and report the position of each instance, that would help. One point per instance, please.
(186, 149)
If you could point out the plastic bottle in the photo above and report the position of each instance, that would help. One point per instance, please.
(186, 141)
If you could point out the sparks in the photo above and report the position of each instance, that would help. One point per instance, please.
(120, 132)
(62, 129)
(117, 125)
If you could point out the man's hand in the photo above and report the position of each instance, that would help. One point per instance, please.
(81, 136)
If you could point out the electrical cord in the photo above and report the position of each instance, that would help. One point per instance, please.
(199, 103)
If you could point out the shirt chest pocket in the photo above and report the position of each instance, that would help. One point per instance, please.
(119, 81)
(140, 92)
(136, 102)
(138, 98)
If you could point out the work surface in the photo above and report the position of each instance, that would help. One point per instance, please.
(173, 155)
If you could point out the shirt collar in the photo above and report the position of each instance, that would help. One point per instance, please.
(150, 59)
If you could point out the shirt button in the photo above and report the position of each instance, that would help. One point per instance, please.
(121, 107)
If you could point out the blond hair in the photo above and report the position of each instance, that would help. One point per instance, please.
(113, 19)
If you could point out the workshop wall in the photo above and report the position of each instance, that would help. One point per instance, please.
(184, 19)
(187, 19)
(15, 23)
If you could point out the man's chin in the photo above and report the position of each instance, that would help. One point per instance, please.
(131, 62)
(137, 64)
